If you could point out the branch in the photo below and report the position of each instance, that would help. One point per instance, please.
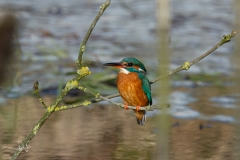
(87, 103)
(84, 42)
(187, 65)
(70, 85)
(81, 72)
(36, 91)
(147, 108)
(83, 104)
(97, 95)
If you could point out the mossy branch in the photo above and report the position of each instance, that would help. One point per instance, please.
(99, 97)
(81, 73)
(70, 85)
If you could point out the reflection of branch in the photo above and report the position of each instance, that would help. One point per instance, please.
(84, 42)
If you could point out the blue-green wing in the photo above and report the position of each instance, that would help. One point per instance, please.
(147, 88)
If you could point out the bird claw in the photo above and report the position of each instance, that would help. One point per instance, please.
(137, 108)
(126, 107)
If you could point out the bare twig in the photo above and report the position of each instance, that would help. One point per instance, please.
(187, 65)
(36, 92)
(84, 42)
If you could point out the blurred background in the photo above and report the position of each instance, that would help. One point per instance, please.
(45, 48)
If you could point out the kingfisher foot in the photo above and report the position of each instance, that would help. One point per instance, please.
(137, 108)
(126, 107)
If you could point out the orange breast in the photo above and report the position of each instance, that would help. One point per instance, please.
(130, 88)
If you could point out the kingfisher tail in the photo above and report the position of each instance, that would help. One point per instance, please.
(140, 116)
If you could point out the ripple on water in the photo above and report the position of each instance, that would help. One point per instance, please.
(223, 118)
(179, 101)
(183, 112)
(183, 83)
(15, 92)
(181, 98)
(3, 101)
(224, 101)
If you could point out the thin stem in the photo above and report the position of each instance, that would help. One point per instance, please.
(36, 91)
(86, 103)
(187, 65)
(103, 7)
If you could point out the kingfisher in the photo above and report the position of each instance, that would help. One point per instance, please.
(133, 85)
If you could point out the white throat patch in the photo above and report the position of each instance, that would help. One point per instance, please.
(123, 70)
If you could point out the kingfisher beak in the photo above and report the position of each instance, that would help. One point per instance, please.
(114, 64)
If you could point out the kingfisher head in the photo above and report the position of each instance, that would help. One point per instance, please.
(128, 64)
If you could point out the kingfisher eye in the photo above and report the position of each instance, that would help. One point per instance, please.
(130, 64)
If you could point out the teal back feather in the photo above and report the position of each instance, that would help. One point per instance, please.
(146, 87)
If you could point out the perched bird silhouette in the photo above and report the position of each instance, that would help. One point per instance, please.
(133, 86)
